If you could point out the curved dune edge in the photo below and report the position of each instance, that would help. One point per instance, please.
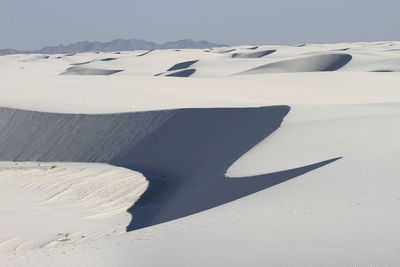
(326, 62)
(48, 204)
(88, 71)
(175, 150)
(258, 54)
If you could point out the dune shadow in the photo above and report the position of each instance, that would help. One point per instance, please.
(183, 153)
(145, 53)
(87, 71)
(185, 161)
(108, 59)
(182, 65)
(182, 73)
(258, 54)
(323, 62)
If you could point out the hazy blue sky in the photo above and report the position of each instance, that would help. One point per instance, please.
(34, 24)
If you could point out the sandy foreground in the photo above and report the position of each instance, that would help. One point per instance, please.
(270, 155)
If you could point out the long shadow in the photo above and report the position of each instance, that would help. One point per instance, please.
(185, 161)
(183, 153)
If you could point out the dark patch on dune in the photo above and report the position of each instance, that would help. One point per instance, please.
(392, 50)
(182, 65)
(80, 63)
(381, 71)
(257, 54)
(158, 74)
(117, 53)
(70, 55)
(327, 62)
(108, 59)
(252, 48)
(182, 73)
(88, 71)
(183, 153)
(177, 50)
(226, 51)
(341, 49)
(300, 45)
(145, 53)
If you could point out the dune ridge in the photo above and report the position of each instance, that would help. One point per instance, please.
(88, 71)
(325, 62)
(160, 145)
(257, 54)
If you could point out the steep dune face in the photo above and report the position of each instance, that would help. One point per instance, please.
(183, 153)
(257, 54)
(327, 62)
(182, 65)
(88, 71)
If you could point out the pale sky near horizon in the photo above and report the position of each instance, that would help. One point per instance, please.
(28, 24)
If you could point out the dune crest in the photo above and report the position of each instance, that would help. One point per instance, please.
(326, 62)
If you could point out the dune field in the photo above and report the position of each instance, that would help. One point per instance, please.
(230, 156)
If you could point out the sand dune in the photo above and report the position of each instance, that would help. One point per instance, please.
(88, 71)
(145, 53)
(226, 51)
(79, 202)
(154, 144)
(182, 73)
(257, 54)
(327, 62)
(182, 65)
(108, 59)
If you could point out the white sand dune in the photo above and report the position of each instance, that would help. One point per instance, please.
(46, 204)
(253, 55)
(88, 71)
(327, 62)
(292, 163)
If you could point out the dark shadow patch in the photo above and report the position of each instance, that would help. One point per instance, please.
(182, 65)
(88, 71)
(80, 63)
(257, 54)
(226, 51)
(108, 59)
(381, 71)
(341, 49)
(158, 74)
(145, 53)
(252, 48)
(70, 55)
(326, 62)
(182, 73)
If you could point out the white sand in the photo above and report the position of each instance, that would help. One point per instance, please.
(342, 214)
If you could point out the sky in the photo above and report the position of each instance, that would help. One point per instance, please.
(28, 24)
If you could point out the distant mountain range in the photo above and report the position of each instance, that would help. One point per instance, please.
(115, 45)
